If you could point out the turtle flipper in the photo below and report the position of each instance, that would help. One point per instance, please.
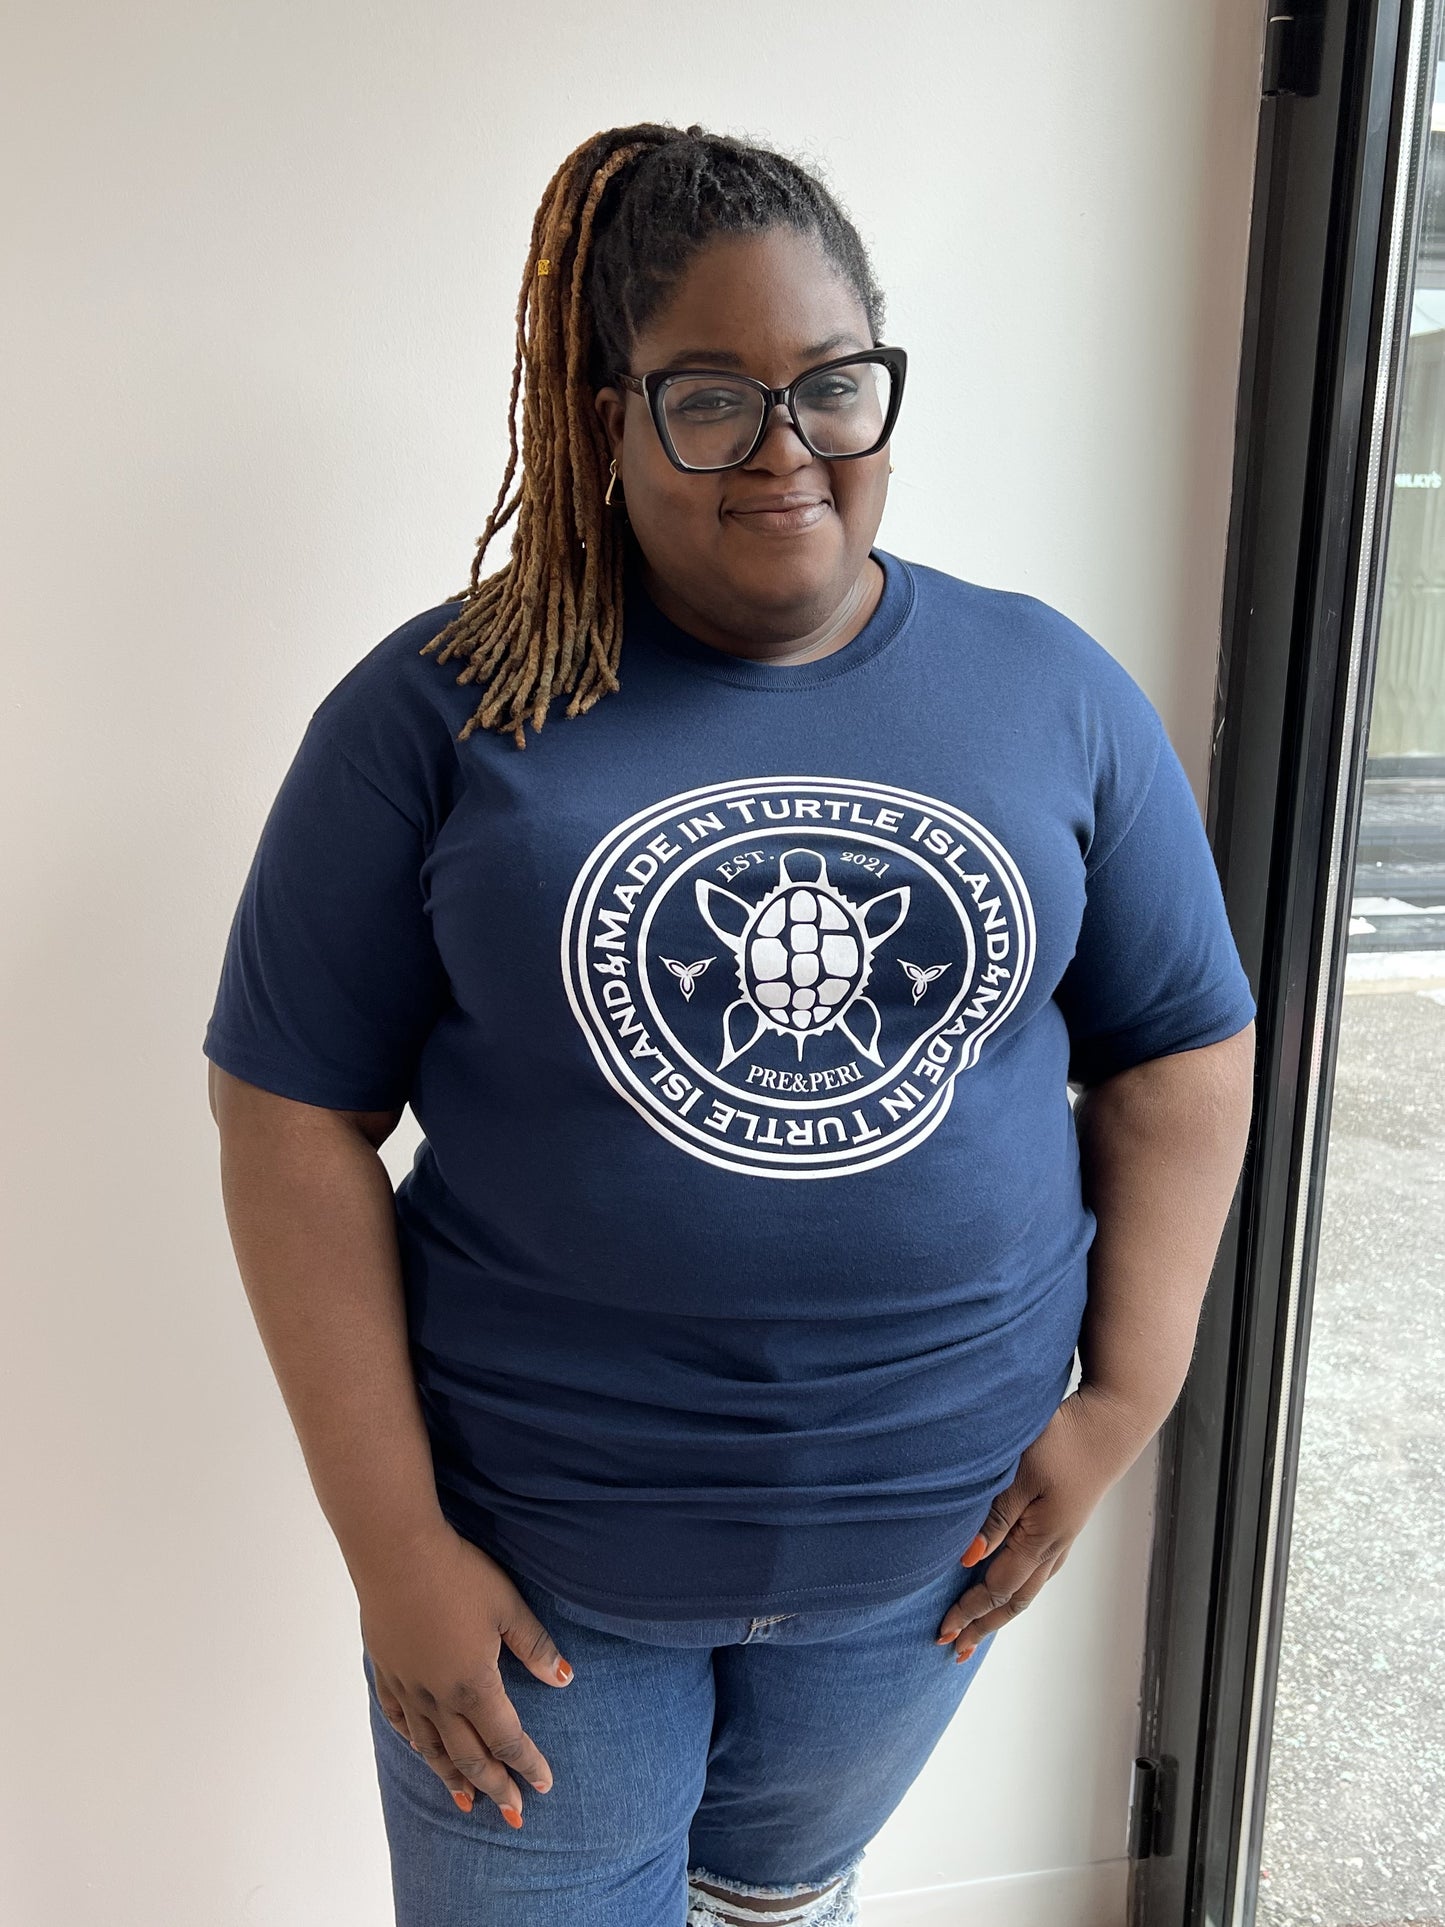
(883, 915)
(735, 1041)
(724, 914)
(860, 1024)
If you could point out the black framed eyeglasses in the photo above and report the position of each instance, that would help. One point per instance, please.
(710, 419)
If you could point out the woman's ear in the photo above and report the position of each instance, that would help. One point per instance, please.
(612, 407)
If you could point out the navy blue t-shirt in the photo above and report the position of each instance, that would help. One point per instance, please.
(745, 1251)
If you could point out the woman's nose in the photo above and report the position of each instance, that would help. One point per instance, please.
(782, 449)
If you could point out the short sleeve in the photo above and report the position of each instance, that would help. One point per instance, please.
(331, 980)
(1156, 969)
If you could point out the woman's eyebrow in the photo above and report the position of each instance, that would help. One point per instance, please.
(724, 358)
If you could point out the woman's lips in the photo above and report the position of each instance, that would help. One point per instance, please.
(786, 521)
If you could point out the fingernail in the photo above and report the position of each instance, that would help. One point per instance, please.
(511, 1816)
(967, 1653)
(564, 1672)
(540, 1785)
(464, 1801)
(975, 1552)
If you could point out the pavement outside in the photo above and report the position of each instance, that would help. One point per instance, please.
(1355, 1820)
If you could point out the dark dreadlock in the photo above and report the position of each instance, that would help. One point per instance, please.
(619, 222)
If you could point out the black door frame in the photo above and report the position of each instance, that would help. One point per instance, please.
(1333, 238)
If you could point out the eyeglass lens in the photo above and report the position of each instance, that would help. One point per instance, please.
(714, 421)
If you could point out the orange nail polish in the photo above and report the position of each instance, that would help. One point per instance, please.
(975, 1552)
(464, 1801)
(564, 1672)
(967, 1653)
(511, 1816)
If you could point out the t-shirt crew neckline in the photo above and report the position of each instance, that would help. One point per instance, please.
(646, 623)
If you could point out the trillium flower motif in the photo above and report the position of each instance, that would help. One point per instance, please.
(687, 974)
(921, 978)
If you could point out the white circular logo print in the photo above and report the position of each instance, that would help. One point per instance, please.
(785, 976)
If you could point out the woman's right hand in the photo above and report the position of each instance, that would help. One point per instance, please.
(434, 1627)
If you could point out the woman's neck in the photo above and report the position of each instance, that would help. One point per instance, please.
(836, 632)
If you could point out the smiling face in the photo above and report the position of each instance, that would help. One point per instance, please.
(776, 552)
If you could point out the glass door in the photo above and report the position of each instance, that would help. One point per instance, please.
(1291, 1767)
(1354, 1825)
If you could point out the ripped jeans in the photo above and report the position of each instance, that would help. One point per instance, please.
(756, 1755)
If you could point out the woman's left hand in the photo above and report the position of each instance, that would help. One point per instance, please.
(1087, 1445)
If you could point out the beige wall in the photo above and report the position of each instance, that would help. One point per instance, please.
(262, 261)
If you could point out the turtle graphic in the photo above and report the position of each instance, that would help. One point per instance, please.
(804, 955)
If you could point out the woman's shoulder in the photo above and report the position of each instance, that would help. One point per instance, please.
(1016, 641)
(396, 713)
(1018, 619)
(393, 671)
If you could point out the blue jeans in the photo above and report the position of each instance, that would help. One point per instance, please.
(759, 1755)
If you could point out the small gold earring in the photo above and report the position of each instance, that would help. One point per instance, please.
(612, 472)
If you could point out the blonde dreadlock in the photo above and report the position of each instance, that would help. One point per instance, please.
(617, 224)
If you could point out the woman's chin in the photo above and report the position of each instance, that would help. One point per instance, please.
(789, 576)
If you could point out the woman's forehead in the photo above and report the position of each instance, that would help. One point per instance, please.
(743, 296)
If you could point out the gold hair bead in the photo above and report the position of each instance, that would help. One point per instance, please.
(544, 266)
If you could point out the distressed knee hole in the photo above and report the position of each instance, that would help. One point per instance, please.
(715, 1902)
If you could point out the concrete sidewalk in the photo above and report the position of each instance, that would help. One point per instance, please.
(1355, 1822)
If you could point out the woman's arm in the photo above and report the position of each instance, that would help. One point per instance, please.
(1161, 1146)
(312, 1219)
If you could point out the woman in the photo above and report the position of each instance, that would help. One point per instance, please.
(730, 1306)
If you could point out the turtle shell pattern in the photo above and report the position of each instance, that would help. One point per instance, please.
(804, 955)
